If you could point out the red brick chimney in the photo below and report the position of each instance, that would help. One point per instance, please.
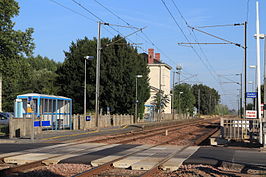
(150, 56)
(157, 56)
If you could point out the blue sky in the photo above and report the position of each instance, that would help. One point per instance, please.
(56, 27)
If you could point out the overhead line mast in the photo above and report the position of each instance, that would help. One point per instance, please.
(229, 42)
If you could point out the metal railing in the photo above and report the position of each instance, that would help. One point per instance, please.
(240, 129)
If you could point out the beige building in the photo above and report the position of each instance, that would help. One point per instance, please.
(159, 80)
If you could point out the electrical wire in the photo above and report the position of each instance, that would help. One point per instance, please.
(148, 40)
(65, 7)
(195, 51)
(101, 20)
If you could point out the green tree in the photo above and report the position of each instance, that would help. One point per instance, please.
(159, 101)
(41, 76)
(120, 63)
(221, 109)
(13, 46)
(184, 99)
(250, 106)
(209, 98)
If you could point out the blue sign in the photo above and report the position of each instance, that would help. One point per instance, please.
(251, 95)
(88, 118)
(44, 123)
(29, 98)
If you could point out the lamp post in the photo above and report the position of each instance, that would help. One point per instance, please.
(136, 103)
(179, 105)
(85, 84)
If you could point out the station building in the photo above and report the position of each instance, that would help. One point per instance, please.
(49, 111)
(159, 79)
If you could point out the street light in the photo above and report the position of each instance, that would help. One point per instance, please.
(136, 101)
(85, 80)
(179, 105)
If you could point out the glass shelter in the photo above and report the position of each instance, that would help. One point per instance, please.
(48, 111)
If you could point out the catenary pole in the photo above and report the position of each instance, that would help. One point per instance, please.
(173, 97)
(98, 76)
(245, 71)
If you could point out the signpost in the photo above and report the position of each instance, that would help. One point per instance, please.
(251, 114)
(251, 95)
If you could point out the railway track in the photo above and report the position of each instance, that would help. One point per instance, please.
(119, 139)
(157, 167)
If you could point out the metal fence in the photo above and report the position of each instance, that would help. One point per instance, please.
(240, 129)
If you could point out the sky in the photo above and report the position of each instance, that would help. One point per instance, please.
(57, 23)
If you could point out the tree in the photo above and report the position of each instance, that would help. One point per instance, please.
(184, 99)
(159, 101)
(13, 46)
(209, 98)
(120, 63)
(250, 106)
(221, 109)
(41, 77)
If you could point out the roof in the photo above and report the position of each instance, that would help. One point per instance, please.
(160, 64)
(42, 96)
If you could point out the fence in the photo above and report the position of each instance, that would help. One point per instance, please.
(80, 122)
(239, 129)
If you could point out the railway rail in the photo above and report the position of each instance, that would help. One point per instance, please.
(107, 166)
(120, 139)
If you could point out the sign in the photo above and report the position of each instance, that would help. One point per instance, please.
(251, 114)
(251, 95)
(88, 118)
(30, 98)
(44, 123)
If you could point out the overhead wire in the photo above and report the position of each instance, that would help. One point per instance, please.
(78, 13)
(195, 51)
(207, 64)
(146, 39)
(93, 14)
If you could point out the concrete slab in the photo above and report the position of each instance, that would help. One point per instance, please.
(127, 162)
(176, 161)
(78, 152)
(110, 158)
(28, 158)
(9, 154)
(149, 162)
